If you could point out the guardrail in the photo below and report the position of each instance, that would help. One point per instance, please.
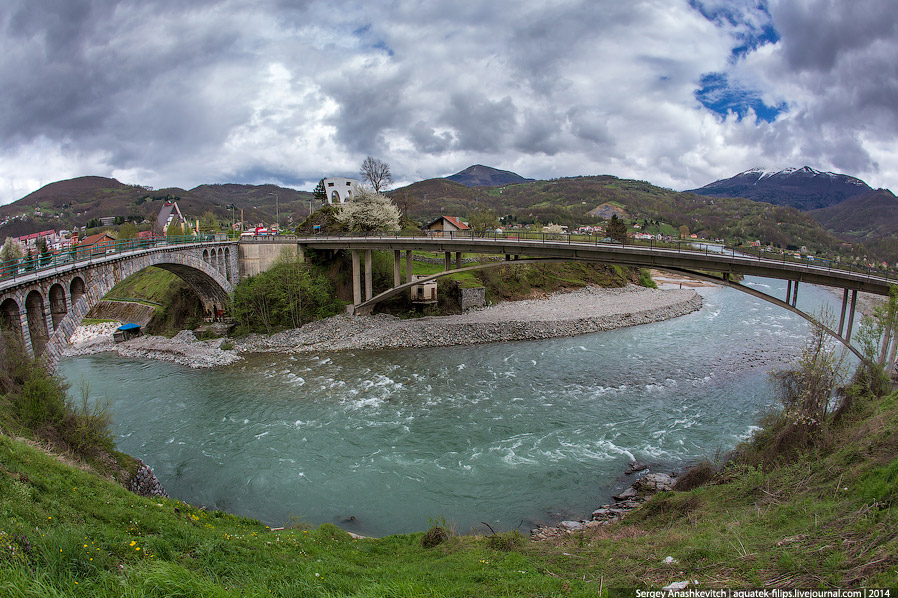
(701, 247)
(29, 265)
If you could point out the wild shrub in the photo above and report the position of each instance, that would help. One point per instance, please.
(286, 296)
(809, 392)
(437, 534)
(505, 541)
(36, 403)
(695, 476)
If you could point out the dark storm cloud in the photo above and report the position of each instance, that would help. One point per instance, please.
(481, 124)
(427, 141)
(818, 33)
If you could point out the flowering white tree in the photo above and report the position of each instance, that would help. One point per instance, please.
(11, 250)
(369, 211)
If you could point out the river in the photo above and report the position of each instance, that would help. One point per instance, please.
(384, 442)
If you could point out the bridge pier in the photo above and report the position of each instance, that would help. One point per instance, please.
(851, 315)
(369, 289)
(844, 307)
(356, 278)
(447, 261)
(458, 260)
(795, 294)
(408, 265)
(891, 366)
(397, 261)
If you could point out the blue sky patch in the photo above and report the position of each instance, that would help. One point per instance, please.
(753, 27)
(717, 95)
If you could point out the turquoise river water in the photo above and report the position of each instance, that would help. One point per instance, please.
(382, 442)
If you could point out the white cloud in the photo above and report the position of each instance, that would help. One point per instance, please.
(287, 92)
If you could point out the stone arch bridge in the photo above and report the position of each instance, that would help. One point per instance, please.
(42, 303)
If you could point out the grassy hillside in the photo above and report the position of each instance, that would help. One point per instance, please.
(75, 202)
(870, 220)
(568, 201)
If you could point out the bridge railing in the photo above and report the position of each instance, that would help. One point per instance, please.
(688, 246)
(32, 263)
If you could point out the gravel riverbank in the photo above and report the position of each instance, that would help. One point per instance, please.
(561, 314)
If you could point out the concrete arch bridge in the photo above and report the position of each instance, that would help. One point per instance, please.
(44, 299)
(690, 259)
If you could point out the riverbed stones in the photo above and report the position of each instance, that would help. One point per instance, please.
(654, 482)
(145, 482)
(631, 498)
(628, 493)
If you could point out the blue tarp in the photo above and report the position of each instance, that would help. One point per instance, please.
(129, 327)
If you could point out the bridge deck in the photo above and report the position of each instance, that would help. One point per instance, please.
(724, 260)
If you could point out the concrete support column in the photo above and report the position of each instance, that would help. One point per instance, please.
(851, 316)
(844, 307)
(408, 265)
(356, 283)
(369, 289)
(397, 260)
(886, 345)
(26, 331)
(890, 365)
(795, 293)
(447, 261)
(788, 291)
(458, 260)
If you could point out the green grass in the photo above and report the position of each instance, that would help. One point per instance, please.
(90, 537)
(151, 284)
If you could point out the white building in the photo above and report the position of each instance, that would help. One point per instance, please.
(340, 189)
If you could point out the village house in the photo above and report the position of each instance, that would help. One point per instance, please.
(445, 224)
(169, 213)
(30, 242)
(98, 244)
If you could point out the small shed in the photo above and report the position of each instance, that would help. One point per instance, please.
(445, 224)
(424, 293)
(126, 332)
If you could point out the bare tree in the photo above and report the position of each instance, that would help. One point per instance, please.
(377, 173)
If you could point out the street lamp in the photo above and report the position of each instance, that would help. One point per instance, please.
(277, 214)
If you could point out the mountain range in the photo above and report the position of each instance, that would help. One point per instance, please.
(810, 207)
(802, 188)
(486, 176)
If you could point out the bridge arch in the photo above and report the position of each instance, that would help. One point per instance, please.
(11, 318)
(76, 289)
(37, 322)
(368, 306)
(58, 307)
(209, 284)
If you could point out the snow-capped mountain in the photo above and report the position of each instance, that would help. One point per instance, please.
(803, 188)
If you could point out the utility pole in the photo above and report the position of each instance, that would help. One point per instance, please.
(277, 213)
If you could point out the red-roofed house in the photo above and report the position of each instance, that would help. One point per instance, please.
(97, 244)
(30, 241)
(445, 224)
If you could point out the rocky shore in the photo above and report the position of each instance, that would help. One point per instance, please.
(561, 314)
(645, 486)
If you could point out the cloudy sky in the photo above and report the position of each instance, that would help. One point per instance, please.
(676, 92)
